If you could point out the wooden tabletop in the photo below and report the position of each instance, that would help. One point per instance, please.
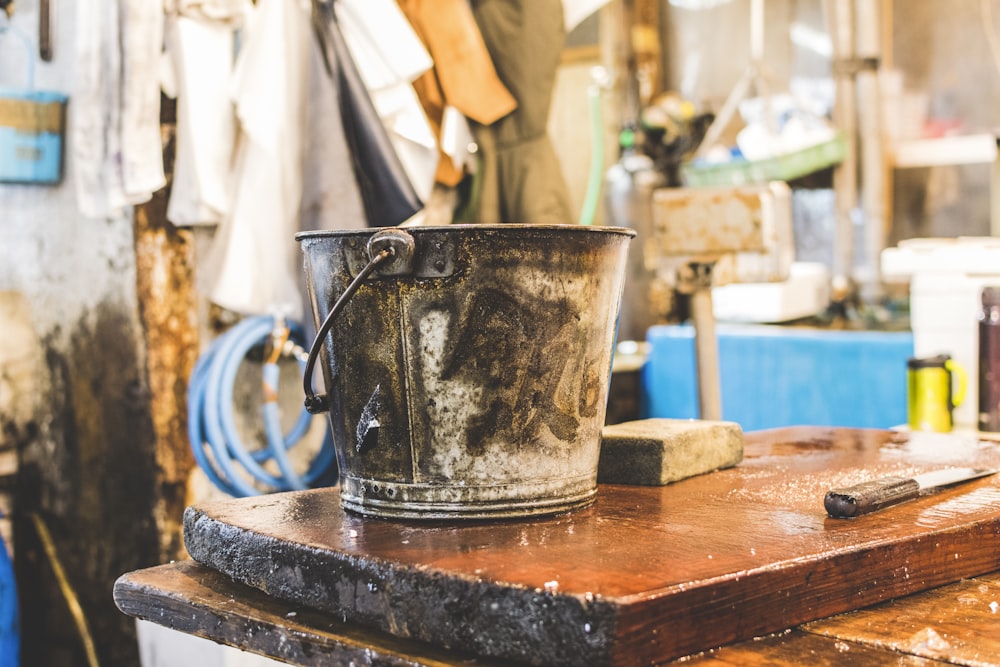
(645, 575)
(954, 624)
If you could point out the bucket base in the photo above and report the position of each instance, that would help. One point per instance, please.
(410, 501)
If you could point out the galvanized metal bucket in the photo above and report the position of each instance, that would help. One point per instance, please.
(466, 367)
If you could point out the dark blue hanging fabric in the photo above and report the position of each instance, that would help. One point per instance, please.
(386, 191)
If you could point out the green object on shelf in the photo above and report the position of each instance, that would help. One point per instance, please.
(781, 168)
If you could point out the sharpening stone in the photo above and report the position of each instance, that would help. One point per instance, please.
(654, 452)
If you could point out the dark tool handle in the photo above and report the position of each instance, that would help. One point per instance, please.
(870, 496)
(45, 30)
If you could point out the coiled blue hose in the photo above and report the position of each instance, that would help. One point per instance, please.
(215, 441)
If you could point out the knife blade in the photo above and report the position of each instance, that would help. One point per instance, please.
(873, 495)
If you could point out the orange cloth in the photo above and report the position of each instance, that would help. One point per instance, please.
(463, 75)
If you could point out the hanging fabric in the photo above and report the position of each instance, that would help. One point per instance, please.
(115, 137)
(522, 179)
(198, 68)
(330, 195)
(388, 194)
(253, 267)
(390, 57)
(462, 84)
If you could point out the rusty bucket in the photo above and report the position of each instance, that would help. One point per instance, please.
(466, 367)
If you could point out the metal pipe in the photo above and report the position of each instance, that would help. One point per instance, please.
(840, 21)
(706, 354)
(756, 31)
(874, 167)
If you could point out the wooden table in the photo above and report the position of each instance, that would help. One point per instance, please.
(644, 575)
(954, 624)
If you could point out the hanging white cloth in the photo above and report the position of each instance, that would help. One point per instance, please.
(209, 10)
(456, 137)
(142, 143)
(254, 262)
(389, 57)
(115, 130)
(199, 59)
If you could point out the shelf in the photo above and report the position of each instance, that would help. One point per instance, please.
(781, 168)
(963, 149)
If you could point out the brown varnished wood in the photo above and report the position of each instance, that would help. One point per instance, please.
(647, 573)
(959, 622)
(795, 649)
(199, 601)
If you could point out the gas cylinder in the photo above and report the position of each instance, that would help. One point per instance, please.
(628, 202)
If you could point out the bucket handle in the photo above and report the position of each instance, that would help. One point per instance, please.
(394, 246)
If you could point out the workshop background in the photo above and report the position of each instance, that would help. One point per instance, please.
(106, 289)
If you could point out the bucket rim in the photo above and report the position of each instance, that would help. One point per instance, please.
(33, 95)
(482, 227)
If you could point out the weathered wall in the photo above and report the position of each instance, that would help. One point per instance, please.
(80, 418)
(86, 449)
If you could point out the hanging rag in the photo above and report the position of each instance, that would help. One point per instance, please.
(463, 84)
(253, 267)
(115, 139)
(521, 179)
(331, 198)
(389, 57)
(199, 59)
(386, 189)
(142, 154)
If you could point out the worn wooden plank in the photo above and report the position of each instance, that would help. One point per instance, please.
(795, 648)
(165, 286)
(199, 601)
(959, 622)
(191, 598)
(644, 575)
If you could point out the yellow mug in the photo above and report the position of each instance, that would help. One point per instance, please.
(929, 395)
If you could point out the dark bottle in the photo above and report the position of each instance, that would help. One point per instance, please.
(989, 360)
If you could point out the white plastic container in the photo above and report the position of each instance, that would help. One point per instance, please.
(946, 277)
(806, 292)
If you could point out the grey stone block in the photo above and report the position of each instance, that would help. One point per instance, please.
(655, 452)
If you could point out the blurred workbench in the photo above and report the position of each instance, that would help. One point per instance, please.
(744, 558)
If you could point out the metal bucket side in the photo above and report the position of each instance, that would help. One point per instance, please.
(475, 385)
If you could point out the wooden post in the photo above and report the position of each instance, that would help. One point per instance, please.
(168, 313)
